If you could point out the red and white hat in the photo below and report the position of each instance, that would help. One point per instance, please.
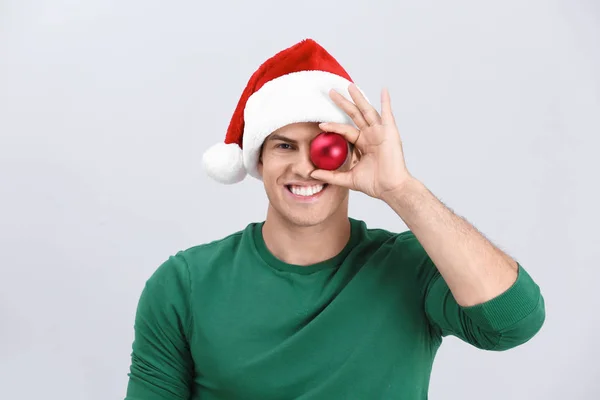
(292, 86)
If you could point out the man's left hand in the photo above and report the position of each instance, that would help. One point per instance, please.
(381, 168)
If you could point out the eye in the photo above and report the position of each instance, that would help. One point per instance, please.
(284, 146)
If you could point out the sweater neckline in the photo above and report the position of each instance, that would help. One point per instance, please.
(274, 262)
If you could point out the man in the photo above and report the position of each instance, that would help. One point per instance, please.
(310, 303)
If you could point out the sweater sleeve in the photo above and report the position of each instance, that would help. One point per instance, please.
(161, 363)
(504, 322)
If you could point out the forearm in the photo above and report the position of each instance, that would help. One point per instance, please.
(474, 269)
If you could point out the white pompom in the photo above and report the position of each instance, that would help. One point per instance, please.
(224, 163)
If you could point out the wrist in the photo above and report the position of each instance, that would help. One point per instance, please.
(403, 192)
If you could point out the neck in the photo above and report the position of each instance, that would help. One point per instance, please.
(306, 245)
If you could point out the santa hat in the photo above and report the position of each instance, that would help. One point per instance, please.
(292, 86)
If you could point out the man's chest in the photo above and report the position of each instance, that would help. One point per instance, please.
(263, 341)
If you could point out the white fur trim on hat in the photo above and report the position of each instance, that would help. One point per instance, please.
(223, 162)
(296, 97)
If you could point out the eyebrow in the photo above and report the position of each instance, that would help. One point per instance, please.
(277, 136)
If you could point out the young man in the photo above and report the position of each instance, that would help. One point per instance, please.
(310, 303)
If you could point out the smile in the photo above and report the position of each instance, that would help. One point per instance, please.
(306, 191)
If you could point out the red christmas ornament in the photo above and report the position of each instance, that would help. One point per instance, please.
(328, 150)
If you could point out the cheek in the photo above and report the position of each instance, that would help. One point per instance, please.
(275, 165)
(340, 192)
(272, 171)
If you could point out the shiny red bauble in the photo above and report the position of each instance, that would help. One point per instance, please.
(328, 150)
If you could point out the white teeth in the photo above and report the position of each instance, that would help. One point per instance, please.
(306, 190)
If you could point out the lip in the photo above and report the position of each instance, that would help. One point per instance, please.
(306, 199)
(298, 183)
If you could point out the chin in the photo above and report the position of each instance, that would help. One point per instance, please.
(304, 213)
(304, 219)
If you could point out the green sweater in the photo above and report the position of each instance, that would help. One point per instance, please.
(228, 320)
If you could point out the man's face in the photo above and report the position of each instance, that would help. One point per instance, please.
(285, 167)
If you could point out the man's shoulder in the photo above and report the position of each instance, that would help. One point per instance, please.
(380, 234)
(401, 252)
(403, 242)
(226, 245)
(202, 255)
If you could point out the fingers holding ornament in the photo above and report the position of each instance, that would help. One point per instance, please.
(349, 132)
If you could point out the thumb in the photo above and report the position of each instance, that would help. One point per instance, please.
(338, 178)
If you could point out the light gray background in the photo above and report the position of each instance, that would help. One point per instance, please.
(106, 107)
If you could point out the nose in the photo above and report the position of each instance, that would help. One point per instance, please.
(302, 165)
